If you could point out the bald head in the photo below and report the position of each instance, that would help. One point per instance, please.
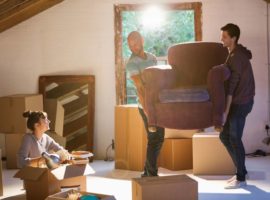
(134, 35)
(135, 43)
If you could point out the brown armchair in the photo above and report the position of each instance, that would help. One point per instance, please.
(189, 92)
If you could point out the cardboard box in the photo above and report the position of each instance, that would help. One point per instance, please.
(13, 143)
(42, 182)
(130, 138)
(12, 108)
(176, 154)
(1, 177)
(56, 113)
(175, 133)
(210, 156)
(64, 195)
(57, 138)
(164, 187)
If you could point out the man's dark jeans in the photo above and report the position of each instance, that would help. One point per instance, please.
(231, 136)
(154, 144)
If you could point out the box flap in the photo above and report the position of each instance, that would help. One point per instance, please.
(206, 135)
(30, 173)
(69, 171)
(163, 180)
(64, 195)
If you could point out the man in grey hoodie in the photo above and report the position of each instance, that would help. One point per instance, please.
(240, 92)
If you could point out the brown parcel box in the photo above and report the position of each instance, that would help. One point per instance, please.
(42, 182)
(210, 156)
(175, 133)
(64, 195)
(1, 180)
(176, 154)
(164, 188)
(13, 143)
(56, 114)
(12, 107)
(130, 138)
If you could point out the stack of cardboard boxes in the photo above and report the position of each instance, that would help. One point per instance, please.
(182, 149)
(131, 143)
(130, 138)
(12, 123)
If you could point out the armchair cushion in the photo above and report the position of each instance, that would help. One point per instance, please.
(184, 95)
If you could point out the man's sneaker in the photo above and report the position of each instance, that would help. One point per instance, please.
(235, 184)
(231, 179)
(234, 178)
(143, 175)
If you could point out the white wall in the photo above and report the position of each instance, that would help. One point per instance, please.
(77, 37)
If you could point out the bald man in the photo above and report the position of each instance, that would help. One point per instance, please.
(137, 62)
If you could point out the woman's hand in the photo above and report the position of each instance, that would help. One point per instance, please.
(36, 162)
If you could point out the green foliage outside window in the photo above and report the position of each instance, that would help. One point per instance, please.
(178, 27)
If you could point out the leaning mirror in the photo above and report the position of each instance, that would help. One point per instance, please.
(69, 102)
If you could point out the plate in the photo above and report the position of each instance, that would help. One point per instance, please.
(81, 154)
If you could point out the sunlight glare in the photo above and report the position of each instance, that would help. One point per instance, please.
(153, 17)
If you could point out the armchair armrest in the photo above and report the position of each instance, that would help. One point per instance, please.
(215, 81)
(155, 79)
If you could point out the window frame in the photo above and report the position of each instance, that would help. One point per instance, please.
(120, 71)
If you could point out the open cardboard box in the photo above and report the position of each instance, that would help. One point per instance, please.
(64, 195)
(41, 182)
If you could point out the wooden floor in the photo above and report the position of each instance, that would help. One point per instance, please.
(107, 180)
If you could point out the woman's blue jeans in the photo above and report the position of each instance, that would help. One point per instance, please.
(231, 136)
(154, 144)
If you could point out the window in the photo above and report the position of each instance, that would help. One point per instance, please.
(161, 26)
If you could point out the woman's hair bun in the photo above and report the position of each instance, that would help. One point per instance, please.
(26, 114)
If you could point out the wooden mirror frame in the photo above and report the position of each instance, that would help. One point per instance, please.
(90, 80)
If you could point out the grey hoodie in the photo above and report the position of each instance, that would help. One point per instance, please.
(241, 84)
